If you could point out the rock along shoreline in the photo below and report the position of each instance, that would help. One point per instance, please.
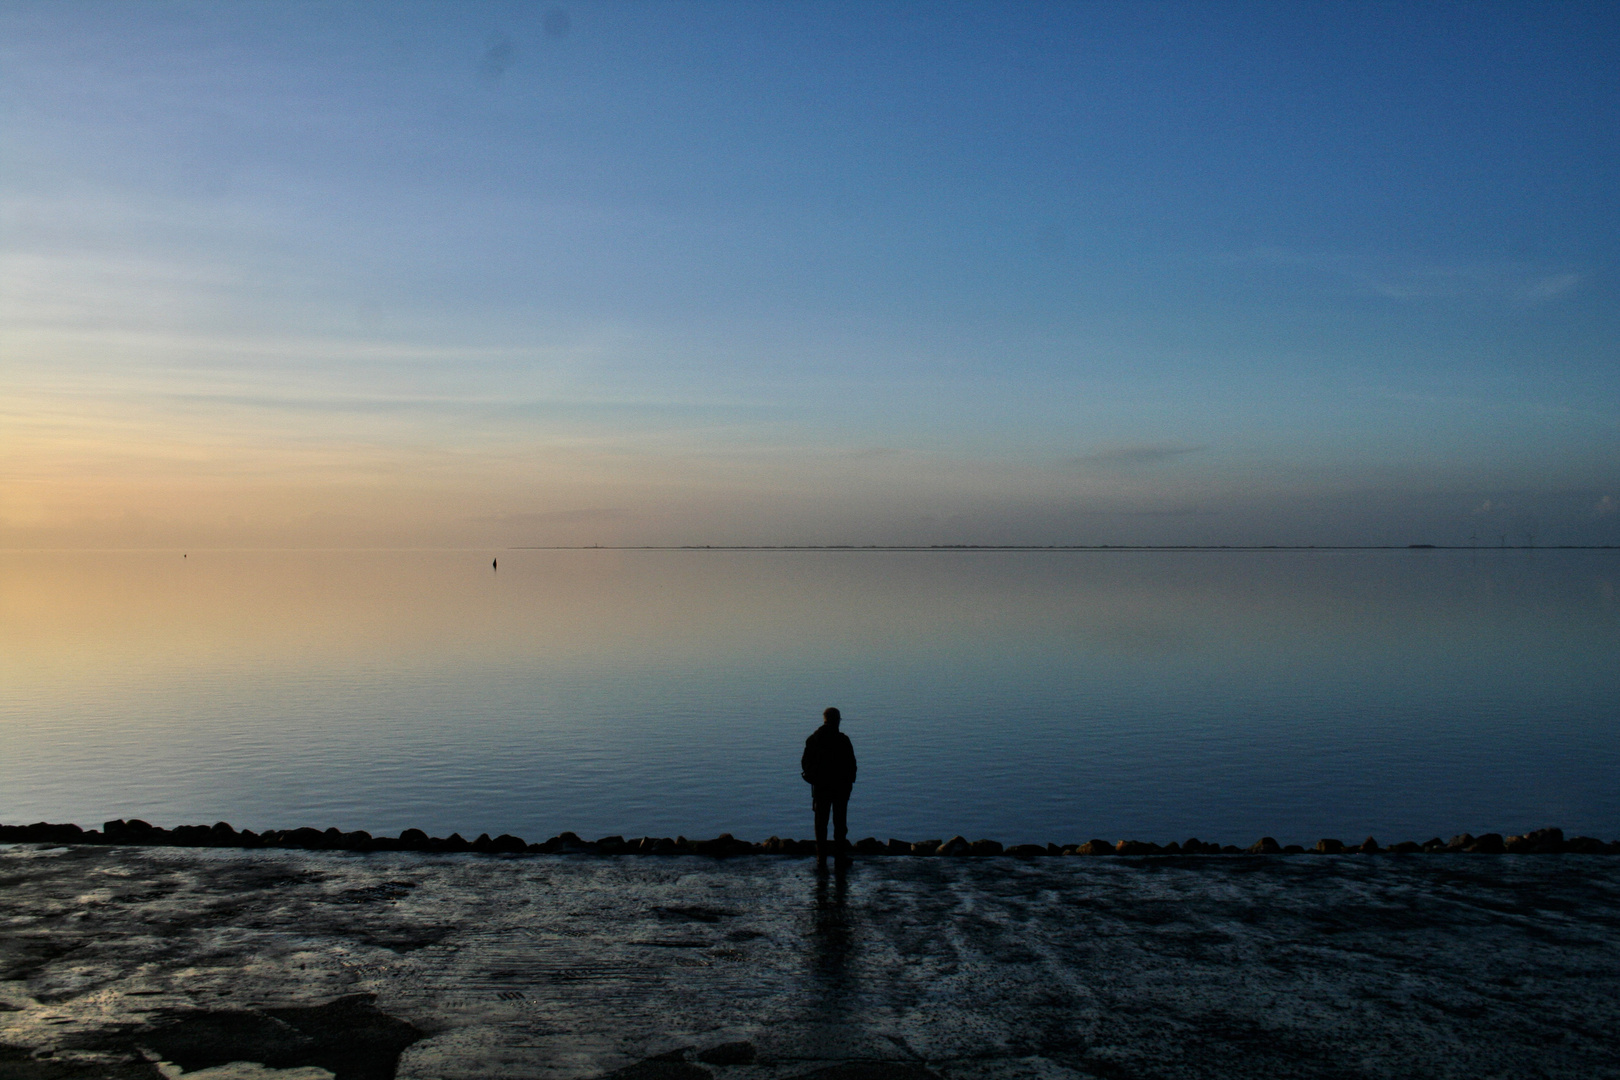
(1547, 841)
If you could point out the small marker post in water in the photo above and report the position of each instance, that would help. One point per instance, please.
(495, 563)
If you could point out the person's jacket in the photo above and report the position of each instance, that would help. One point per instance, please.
(829, 759)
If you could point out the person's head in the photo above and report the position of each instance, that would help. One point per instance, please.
(830, 717)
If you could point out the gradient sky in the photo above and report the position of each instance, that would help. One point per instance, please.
(513, 273)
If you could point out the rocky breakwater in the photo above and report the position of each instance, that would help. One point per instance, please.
(1548, 841)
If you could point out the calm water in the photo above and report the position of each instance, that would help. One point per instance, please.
(1023, 696)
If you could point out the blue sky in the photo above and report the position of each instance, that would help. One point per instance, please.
(847, 273)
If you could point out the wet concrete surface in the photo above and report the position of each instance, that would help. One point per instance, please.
(284, 965)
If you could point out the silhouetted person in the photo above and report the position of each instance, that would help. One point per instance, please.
(828, 766)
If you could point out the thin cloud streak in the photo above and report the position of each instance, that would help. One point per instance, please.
(1139, 454)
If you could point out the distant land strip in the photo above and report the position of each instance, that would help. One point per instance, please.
(1064, 547)
(1548, 841)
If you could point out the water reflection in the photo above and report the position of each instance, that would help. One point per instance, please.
(831, 942)
(1160, 695)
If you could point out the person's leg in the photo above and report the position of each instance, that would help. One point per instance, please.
(840, 814)
(822, 806)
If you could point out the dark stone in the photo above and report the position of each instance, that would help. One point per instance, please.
(1407, 847)
(956, 845)
(206, 1038)
(1265, 846)
(567, 843)
(20, 1063)
(722, 846)
(1096, 847)
(312, 839)
(413, 840)
(927, 847)
(1172, 848)
(1230, 849)
(224, 835)
(871, 1070)
(1027, 851)
(985, 847)
(455, 842)
(1329, 847)
(1434, 843)
(1135, 847)
(484, 844)
(1585, 845)
(674, 1065)
(1489, 844)
(358, 840)
(1540, 842)
(1293, 849)
(731, 1053)
(507, 844)
(1460, 842)
(191, 836)
(348, 1037)
(871, 846)
(1053, 849)
(41, 832)
(119, 831)
(897, 847)
(1369, 846)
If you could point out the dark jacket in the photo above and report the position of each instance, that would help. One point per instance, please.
(829, 759)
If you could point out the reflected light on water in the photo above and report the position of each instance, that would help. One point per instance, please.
(1020, 695)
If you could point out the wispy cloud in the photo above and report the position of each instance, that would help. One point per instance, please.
(1548, 287)
(1413, 279)
(1138, 454)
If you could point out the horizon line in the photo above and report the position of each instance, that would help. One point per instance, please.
(839, 547)
(1063, 547)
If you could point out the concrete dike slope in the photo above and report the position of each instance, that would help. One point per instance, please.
(141, 962)
(1545, 841)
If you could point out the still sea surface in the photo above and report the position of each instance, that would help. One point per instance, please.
(1024, 696)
